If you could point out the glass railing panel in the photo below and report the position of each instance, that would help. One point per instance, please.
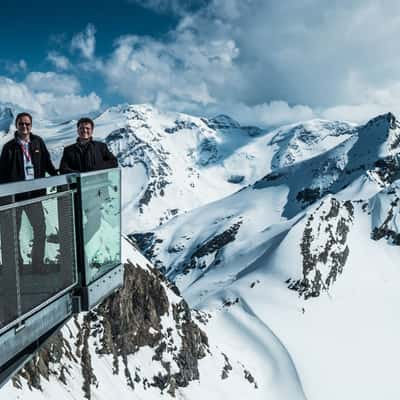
(45, 249)
(101, 222)
(9, 302)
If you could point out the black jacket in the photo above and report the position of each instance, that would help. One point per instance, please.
(12, 162)
(91, 157)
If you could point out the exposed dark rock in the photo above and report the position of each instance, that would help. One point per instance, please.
(208, 151)
(86, 360)
(227, 367)
(387, 169)
(252, 130)
(273, 176)
(179, 125)
(384, 231)
(57, 351)
(131, 150)
(146, 243)
(221, 122)
(229, 302)
(253, 284)
(126, 321)
(324, 262)
(213, 245)
(236, 179)
(308, 195)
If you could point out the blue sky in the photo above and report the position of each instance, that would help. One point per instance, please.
(262, 62)
(32, 30)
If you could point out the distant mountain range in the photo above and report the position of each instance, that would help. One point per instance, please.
(286, 241)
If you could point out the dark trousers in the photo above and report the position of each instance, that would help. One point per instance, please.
(35, 215)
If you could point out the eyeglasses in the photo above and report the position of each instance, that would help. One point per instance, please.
(24, 124)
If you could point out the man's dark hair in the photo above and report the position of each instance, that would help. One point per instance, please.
(23, 114)
(85, 120)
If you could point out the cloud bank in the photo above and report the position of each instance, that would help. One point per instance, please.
(49, 95)
(266, 62)
(263, 62)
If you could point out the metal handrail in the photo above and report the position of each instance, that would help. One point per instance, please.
(12, 188)
(100, 171)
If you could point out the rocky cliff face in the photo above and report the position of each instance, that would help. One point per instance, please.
(324, 247)
(146, 313)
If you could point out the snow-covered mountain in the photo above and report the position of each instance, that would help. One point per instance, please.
(310, 251)
(145, 342)
(285, 241)
(174, 162)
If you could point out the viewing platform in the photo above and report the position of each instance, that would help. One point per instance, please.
(60, 254)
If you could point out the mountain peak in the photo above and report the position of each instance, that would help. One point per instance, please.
(388, 118)
(222, 121)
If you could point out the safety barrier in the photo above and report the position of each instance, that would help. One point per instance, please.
(60, 253)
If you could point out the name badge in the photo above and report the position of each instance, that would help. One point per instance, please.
(29, 173)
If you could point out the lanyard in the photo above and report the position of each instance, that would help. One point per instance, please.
(26, 153)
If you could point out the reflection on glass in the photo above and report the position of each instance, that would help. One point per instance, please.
(37, 253)
(8, 270)
(47, 260)
(101, 210)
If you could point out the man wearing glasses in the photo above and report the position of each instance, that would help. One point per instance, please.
(26, 157)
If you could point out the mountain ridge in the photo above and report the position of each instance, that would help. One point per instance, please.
(291, 255)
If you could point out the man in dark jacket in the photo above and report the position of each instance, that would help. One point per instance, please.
(26, 157)
(86, 154)
(83, 156)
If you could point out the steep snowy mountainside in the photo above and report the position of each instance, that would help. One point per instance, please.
(145, 342)
(175, 162)
(324, 286)
(330, 293)
(299, 142)
(368, 157)
(355, 169)
(311, 250)
(287, 242)
(175, 159)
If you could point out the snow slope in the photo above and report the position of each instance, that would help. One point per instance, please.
(64, 372)
(174, 162)
(286, 241)
(310, 250)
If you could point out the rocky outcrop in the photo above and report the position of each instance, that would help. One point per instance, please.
(207, 254)
(385, 208)
(130, 149)
(324, 247)
(146, 312)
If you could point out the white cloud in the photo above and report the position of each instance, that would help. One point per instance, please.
(273, 60)
(145, 70)
(58, 84)
(85, 42)
(69, 105)
(18, 93)
(59, 61)
(44, 102)
(274, 113)
(375, 102)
